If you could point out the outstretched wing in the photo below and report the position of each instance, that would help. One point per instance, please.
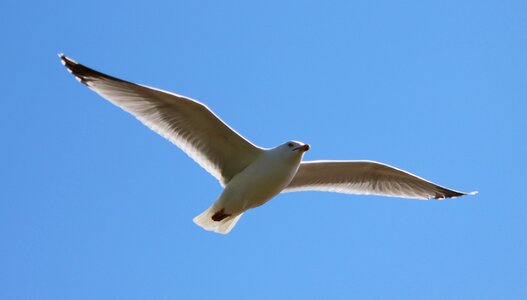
(365, 177)
(188, 124)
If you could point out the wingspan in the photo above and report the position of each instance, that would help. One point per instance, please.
(365, 177)
(187, 123)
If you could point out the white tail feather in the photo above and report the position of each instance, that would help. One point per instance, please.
(224, 226)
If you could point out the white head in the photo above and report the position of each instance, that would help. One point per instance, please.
(292, 149)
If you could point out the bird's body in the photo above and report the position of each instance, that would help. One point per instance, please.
(263, 179)
(250, 175)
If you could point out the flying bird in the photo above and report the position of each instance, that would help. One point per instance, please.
(250, 175)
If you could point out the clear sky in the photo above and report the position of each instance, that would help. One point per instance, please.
(94, 205)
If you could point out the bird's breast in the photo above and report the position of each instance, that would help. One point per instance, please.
(266, 177)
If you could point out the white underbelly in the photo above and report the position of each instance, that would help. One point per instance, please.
(256, 185)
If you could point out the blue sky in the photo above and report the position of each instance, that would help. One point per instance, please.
(94, 205)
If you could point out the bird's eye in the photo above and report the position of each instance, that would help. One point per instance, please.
(290, 145)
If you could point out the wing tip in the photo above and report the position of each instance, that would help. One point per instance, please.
(66, 61)
(71, 66)
(452, 194)
(84, 74)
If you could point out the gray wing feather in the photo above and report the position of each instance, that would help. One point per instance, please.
(188, 124)
(365, 177)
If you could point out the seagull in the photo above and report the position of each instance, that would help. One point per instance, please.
(250, 175)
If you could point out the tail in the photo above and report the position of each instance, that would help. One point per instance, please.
(224, 226)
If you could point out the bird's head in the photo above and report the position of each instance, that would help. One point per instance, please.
(290, 151)
(295, 147)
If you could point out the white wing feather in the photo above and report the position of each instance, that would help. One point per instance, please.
(188, 124)
(365, 177)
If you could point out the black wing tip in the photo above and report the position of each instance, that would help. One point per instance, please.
(452, 194)
(66, 61)
(80, 72)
